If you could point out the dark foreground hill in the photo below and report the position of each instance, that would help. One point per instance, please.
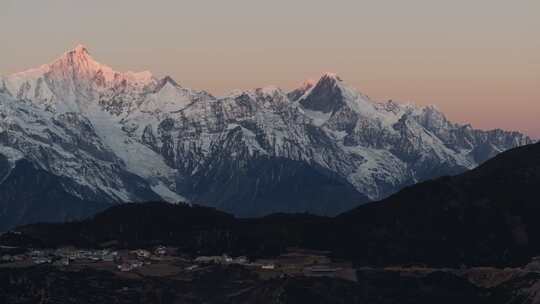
(487, 216)
(218, 284)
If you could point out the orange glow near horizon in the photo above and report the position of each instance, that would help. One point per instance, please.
(478, 61)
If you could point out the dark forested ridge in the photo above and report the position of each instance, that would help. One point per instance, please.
(487, 216)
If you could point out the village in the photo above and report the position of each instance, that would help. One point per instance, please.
(164, 261)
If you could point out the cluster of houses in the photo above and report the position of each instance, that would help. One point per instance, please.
(221, 259)
(138, 258)
(294, 262)
(227, 260)
(66, 256)
(9, 258)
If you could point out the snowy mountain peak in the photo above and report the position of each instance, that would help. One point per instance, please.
(80, 49)
(168, 80)
(79, 61)
(330, 76)
(76, 79)
(328, 81)
(78, 67)
(77, 55)
(326, 95)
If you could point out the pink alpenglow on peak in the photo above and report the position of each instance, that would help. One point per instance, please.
(308, 84)
(331, 75)
(80, 48)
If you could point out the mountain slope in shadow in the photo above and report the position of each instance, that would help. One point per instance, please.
(487, 216)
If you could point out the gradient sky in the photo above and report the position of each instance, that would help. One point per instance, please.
(477, 60)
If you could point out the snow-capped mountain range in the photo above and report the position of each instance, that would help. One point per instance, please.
(117, 137)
